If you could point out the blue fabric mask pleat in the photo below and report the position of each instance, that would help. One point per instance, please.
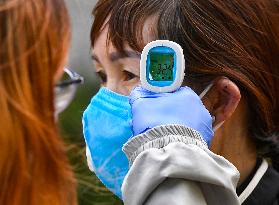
(107, 126)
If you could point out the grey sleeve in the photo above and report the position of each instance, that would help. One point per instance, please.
(172, 165)
(176, 192)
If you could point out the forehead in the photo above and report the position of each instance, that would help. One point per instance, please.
(149, 33)
(101, 44)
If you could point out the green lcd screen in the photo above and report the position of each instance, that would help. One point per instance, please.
(161, 66)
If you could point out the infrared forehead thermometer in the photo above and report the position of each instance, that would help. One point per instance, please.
(162, 66)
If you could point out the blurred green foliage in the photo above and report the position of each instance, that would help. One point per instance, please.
(90, 189)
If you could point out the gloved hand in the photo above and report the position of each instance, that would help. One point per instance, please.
(182, 107)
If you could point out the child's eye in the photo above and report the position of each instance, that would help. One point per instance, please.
(102, 76)
(129, 75)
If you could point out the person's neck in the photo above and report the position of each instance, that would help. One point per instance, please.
(233, 143)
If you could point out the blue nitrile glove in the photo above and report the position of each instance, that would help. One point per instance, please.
(182, 107)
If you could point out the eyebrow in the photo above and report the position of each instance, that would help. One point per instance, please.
(95, 58)
(114, 56)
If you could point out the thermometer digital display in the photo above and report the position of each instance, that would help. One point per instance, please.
(162, 66)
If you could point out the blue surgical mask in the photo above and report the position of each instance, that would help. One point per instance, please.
(107, 127)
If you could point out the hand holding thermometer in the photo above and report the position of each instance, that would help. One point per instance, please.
(162, 66)
(155, 104)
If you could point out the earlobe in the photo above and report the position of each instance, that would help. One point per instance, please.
(229, 97)
(226, 97)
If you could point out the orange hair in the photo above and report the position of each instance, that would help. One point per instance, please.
(34, 168)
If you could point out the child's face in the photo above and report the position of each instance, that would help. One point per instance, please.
(117, 72)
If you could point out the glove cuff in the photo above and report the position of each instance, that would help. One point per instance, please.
(161, 136)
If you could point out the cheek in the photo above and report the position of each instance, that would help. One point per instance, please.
(130, 85)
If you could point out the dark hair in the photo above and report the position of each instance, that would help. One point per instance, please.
(238, 39)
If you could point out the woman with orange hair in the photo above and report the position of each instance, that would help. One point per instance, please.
(34, 168)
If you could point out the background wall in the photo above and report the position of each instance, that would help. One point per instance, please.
(90, 190)
(81, 18)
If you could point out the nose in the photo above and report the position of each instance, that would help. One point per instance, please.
(115, 84)
(112, 85)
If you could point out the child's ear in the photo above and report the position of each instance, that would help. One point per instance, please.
(222, 99)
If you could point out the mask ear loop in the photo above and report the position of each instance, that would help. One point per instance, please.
(206, 90)
(216, 127)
